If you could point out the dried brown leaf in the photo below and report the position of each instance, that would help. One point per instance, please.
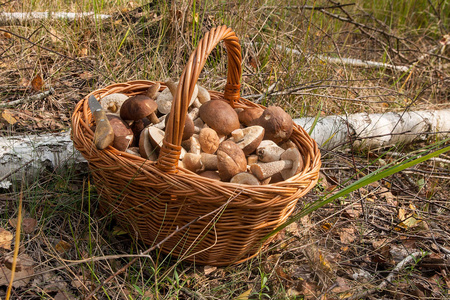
(63, 246)
(244, 295)
(347, 235)
(5, 239)
(209, 269)
(37, 83)
(23, 274)
(28, 224)
(6, 114)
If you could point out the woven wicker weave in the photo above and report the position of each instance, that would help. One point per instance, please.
(153, 199)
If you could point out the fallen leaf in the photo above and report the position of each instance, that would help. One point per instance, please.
(6, 114)
(28, 224)
(37, 83)
(244, 295)
(5, 239)
(23, 274)
(6, 35)
(353, 211)
(62, 246)
(347, 235)
(209, 269)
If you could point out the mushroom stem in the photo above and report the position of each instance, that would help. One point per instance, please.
(269, 151)
(200, 162)
(153, 118)
(265, 170)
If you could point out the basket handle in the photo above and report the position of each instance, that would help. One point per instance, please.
(171, 148)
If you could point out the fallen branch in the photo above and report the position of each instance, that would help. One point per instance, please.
(39, 96)
(369, 131)
(33, 15)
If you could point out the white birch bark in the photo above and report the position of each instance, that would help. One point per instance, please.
(377, 130)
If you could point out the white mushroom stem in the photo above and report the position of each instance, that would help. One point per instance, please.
(194, 146)
(196, 103)
(161, 124)
(265, 170)
(194, 113)
(269, 151)
(237, 134)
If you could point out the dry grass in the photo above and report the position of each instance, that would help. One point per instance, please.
(337, 252)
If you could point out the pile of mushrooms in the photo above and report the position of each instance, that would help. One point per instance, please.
(243, 146)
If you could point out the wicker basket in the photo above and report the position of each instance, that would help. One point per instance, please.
(153, 199)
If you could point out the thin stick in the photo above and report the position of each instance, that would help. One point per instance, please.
(16, 247)
(39, 96)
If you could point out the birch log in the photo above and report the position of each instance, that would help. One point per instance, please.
(34, 15)
(360, 130)
(369, 131)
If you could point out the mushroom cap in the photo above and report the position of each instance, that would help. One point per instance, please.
(137, 107)
(123, 135)
(253, 136)
(277, 123)
(203, 95)
(164, 101)
(231, 160)
(113, 102)
(210, 174)
(244, 178)
(209, 140)
(249, 115)
(293, 155)
(193, 162)
(220, 116)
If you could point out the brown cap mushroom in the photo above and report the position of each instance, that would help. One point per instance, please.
(220, 116)
(210, 174)
(138, 107)
(123, 135)
(277, 123)
(248, 116)
(288, 166)
(244, 178)
(209, 140)
(252, 137)
(231, 160)
(268, 151)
